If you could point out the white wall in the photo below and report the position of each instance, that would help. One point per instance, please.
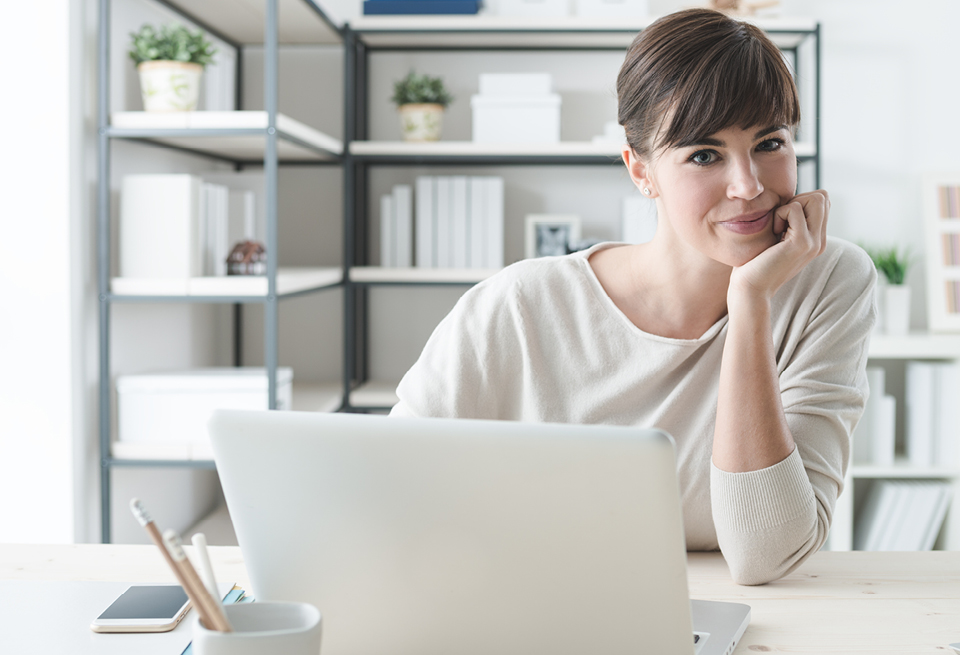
(36, 402)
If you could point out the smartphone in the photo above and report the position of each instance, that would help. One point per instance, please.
(146, 608)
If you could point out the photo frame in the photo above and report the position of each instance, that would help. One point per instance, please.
(941, 210)
(550, 234)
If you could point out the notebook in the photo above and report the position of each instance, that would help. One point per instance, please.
(442, 536)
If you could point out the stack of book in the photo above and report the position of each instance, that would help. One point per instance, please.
(933, 417)
(902, 515)
(458, 223)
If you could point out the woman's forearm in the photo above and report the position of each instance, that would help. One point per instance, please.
(751, 431)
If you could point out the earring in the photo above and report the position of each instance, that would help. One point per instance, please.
(646, 191)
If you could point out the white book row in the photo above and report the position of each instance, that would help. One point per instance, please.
(874, 439)
(178, 226)
(458, 222)
(901, 515)
(933, 417)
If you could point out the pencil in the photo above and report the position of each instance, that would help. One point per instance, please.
(211, 612)
(206, 571)
(147, 522)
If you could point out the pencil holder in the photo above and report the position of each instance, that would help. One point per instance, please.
(261, 629)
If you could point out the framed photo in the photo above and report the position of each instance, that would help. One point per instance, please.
(550, 234)
(941, 209)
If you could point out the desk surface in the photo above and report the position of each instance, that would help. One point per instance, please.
(852, 602)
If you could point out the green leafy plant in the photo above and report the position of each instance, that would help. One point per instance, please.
(891, 263)
(170, 43)
(420, 89)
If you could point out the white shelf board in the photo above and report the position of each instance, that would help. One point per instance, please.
(323, 397)
(290, 145)
(471, 149)
(434, 275)
(483, 31)
(916, 345)
(289, 280)
(243, 21)
(375, 393)
(901, 469)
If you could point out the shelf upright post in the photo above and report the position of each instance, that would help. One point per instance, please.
(271, 100)
(103, 259)
(349, 210)
(816, 111)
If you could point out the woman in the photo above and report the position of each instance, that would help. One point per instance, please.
(740, 329)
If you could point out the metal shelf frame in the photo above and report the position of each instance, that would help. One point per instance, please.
(270, 163)
(357, 167)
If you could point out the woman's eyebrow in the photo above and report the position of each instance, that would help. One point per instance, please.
(709, 141)
(772, 128)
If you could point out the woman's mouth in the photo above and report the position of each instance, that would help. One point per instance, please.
(749, 223)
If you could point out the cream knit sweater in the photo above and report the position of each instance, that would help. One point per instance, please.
(541, 341)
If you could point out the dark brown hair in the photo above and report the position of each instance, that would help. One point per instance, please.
(696, 72)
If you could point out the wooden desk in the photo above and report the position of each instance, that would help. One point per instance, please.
(852, 602)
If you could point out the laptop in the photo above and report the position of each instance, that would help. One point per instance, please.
(466, 537)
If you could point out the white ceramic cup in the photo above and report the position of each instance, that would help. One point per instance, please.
(262, 629)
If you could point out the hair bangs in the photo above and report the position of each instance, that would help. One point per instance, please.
(736, 85)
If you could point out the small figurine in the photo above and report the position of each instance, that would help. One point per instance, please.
(741, 7)
(247, 258)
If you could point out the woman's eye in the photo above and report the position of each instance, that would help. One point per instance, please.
(703, 157)
(771, 144)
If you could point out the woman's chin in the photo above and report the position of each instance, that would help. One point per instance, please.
(746, 252)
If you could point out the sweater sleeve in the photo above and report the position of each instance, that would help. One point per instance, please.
(471, 365)
(769, 521)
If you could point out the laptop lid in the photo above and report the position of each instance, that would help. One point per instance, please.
(440, 536)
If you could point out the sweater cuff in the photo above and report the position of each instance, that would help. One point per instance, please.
(755, 501)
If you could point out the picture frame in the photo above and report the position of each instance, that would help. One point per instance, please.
(550, 234)
(941, 210)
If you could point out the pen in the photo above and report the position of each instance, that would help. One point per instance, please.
(211, 612)
(203, 563)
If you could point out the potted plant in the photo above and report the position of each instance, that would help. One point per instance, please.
(170, 61)
(893, 264)
(421, 100)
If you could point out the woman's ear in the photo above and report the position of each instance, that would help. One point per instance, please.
(639, 171)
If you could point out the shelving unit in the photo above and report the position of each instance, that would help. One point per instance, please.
(368, 34)
(915, 346)
(262, 138)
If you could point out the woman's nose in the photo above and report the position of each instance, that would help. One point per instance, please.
(744, 181)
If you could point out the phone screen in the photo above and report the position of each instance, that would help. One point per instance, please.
(147, 602)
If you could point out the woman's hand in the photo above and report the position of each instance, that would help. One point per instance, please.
(801, 226)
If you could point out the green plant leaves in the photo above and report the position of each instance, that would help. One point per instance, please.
(170, 43)
(890, 263)
(420, 89)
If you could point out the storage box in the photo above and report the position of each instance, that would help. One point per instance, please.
(538, 8)
(175, 407)
(515, 84)
(533, 119)
(611, 8)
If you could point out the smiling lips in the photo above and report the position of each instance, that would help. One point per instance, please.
(749, 223)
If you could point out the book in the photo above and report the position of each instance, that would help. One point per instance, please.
(381, 7)
(403, 225)
(426, 255)
(388, 242)
(477, 222)
(920, 396)
(865, 431)
(494, 221)
(885, 432)
(444, 222)
(873, 517)
(947, 420)
(459, 229)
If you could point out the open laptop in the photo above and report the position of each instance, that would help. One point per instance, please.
(463, 537)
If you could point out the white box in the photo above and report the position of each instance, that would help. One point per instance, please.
(515, 84)
(175, 406)
(538, 8)
(516, 119)
(160, 226)
(611, 8)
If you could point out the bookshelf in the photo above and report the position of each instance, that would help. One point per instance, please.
(264, 139)
(896, 351)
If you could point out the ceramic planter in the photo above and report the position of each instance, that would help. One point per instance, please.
(169, 85)
(896, 309)
(421, 122)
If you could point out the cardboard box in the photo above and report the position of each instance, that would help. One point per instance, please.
(174, 407)
(518, 119)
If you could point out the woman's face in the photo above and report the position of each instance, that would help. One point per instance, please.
(718, 195)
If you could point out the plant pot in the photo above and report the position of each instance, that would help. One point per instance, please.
(169, 85)
(421, 122)
(896, 309)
